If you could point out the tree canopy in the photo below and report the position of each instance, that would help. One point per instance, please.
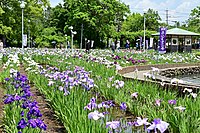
(194, 20)
(12, 19)
(99, 20)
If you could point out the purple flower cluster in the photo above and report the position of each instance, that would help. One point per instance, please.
(30, 113)
(68, 79)
(136, 61)
(133, 61)
(118, 126)
(93, 105)
(123, 106)
(117, 57)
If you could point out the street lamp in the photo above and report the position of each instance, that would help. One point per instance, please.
(66, 42)
(29, 33)
(72, 34)
(22, 5)
(144, 31)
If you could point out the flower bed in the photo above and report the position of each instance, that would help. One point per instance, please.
(82, 98)
(26, 115)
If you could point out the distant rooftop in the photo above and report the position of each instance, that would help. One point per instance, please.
(178, 31)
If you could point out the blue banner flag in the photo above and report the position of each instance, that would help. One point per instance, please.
(162, 45)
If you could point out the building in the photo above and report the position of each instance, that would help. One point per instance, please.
(178, 40)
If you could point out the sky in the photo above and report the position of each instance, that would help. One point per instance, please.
(178, 10)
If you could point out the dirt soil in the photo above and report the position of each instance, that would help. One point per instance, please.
(48, 116)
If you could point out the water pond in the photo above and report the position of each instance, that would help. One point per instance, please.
(194, 79)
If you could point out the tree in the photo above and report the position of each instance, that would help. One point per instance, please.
(47, 36)
(194, 20)
(133, 26)
(135, 21)
(4, 30)
(152, 19)
(98, 17)
(33, 11)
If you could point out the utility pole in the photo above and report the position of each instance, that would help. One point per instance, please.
(81, 36)
(167, 16)
(29, 33)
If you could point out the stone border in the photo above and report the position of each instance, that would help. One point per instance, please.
(159, 79)
(171, 72)
(159, 66)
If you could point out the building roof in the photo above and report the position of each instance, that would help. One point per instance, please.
(178, 31)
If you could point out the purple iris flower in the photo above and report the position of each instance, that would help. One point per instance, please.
(105, 113)
(141, 121)
(32, 123)
(41, 124)
(91, 106)
(93, 100)
(17, 97)
(131, 123)
(26, 87)
(110, 103)
(34, 112)
(113, 124)
(23, 78)
(134, 95)
(157, 102)
(66, 92)
(9, 99)
(22, 113)
(101, 105)
(95, 115)
(7, 79)
(123, 106)
(27, 93)
(172, 102)
(158, 124)
(17, 86)
(22, 124)
(86, 87)
(18, 74)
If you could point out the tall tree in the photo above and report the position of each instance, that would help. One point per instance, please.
(135, 21)
(152, 17)
(97, 16)
(33, 11)
(194, 20)
(4, 30)
(133, 26)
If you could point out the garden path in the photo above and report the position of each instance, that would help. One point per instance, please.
(48, 116)
(1, 104)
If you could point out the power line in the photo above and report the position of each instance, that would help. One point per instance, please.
(160, 10)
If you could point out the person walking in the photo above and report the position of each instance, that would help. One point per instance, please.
(1, 44)
(113, 47)
(127, 45)
(88, 46)
(118, 46)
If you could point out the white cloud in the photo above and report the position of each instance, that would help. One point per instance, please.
(178, 10)
(55, 2)
(145, 5)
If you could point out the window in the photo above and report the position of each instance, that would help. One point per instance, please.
(188, 41)
(174, 41)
